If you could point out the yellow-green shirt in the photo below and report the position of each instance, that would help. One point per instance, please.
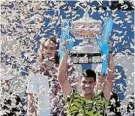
(80, 106)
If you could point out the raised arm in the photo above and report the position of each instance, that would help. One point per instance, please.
(110, 79)
(62, 75)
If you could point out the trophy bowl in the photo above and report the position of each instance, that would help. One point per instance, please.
(86, 28)
(88, 51)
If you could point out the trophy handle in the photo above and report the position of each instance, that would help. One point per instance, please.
(102, 40)
(65, 36)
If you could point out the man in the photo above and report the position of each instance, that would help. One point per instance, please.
(40, 80)
(43, 87)
(89, 102)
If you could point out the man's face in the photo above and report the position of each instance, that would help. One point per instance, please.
(87, 85)
(49, 49)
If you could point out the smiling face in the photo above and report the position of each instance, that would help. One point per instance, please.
(87, 85)
(49, 49)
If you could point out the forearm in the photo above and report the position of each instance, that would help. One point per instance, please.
(111, 67)
(32, 109)
(111, 62)
(108, 82)
(62, 71)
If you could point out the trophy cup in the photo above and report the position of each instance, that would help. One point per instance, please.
(87, 30)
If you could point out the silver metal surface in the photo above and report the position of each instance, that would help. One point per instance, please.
(87, 30)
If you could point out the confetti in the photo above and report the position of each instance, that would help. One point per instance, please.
(24, 22)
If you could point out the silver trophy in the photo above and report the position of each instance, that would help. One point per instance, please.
(87, 30)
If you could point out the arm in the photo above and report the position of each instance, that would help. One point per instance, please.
(32, 90)
(107, 90)
(32, 109)
(62, 76)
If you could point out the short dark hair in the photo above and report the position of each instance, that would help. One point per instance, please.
(88, 73)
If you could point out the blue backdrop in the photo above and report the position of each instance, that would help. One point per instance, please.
(122, 33)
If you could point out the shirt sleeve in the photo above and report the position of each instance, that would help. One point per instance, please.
(32, 84)
(69, 98)
(73, 103)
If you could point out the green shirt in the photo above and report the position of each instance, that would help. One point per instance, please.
(80, 106)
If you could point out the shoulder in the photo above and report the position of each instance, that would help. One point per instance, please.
(99, 96)
(99, 93)
(73, 95)
(73, 99)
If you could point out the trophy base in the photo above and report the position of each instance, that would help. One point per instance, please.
(86, 58)
(82, 58)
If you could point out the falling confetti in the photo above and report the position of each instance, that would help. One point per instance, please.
(23, 23)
